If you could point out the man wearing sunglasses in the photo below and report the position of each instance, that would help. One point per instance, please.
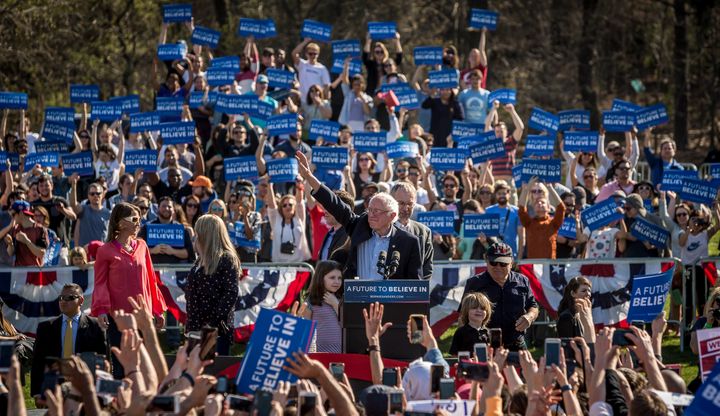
(310, 71)
(514, 306)
(26, 240)
(623, 173)
(93, 215)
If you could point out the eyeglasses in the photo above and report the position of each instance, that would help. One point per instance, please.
(497, 264)
(69, 298)
(449, 53)
(84, 137)
(364, 159)
(623, 168)
(377, 211)
(401, 170)
(612, 149)
(94, 193)
(379, 52)
(588, 176)
(312, 54)
(239, 131)
(217, 208)
(192, 205)
(143, 208)
(484, 192)
(414, 174)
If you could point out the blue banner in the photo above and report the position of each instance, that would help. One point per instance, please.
(276, 336)
(650, 233)
(547, 170)
(503, 96)
(441, 222)
(465, 129)
(344, 48)
(474, 224)
(169, 106)
(315, 30)
(84, 93)
(539, 145)
(568, 229)
(714, 170)
(237, 104)
(672, 179)
(171, 51)
(618, 121)
(369, 141)
(651, 116)
(382, 30)
(14, 161)
(354, 68)
(707, 398)
(491, 148)
(282, 170)
(445, 159)
(145, 159)
(443, 78)
(80, 163)
(258, 28)
(45, 160)
(695, 190)
(52, 254)
(325, 157)
(241, 240)
(280, 78)
(59, 147)
(172, 235)
(218, 76)
(544, 120)
(177, 133)
(574, 119)
(386, 291)
(195, 100)
(428, 55)
(466, 143)
(58, 132)
(105, 111)
(141, 122)
(328, 130)
(624, 106)
(228, 62)
(649, 294)
(282, 124)
(407, 97)
(580, 141)
(402, 149)
(205, 36)
(481, 18)
(174, 13)
(13, 100)
(241, 167)
(130, 104)
(600, 214)
(517, 175)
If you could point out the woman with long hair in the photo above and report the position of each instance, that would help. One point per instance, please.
(647, 192)
(7, 330)
(287, 221)
(374, 63)
(315, 107)
(191, 208)
(444, 108)
(365, 171)
(578, 164)
(212, 287)
(575, 310)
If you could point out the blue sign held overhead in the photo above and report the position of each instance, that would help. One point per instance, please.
(195, 100)
(568, 228)
(503, 96)
(14, 161)
(649, 294)
(130, 104)
(539, 145)
(624, 106)
(386, 291)
(650, 233)
(59, 147)
(428, 55)
(481, 18)
(205, 37)
(258, 28)
(517, 175)
(466, 143)
(145, 159)
(354, 66)
(580, 141)
(237, 104)
(172, 235)
(407, 98)
(169, 106)
(228, 62)
(344, 48)
(600, 214)
(695, 190)
(465, 129)
(282, 124)
(60, 115)
(58, 132)
(280, 78)
(105, 111)
(171, 51)
(218, 76)
(327, 129)
(177, 133)
(544, 120)
(382, 30)
(445, 159)
(441, 222)
(369, 141)
(618, 121)
(402, 149)
(316, 30)
(574, 119)
(325, 157)
(488, 224)
(715, 170)
(13, 100)
(45, 160)
(176, 13)
(673, 179)
(491, 148)
(547, 170)
(142, 122)
(282, 170)
(651, 116)
(443, 78)
(84, 93)
(80, 163)
(241, 167)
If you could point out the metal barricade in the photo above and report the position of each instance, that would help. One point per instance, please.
(705, 170)
(693, 278)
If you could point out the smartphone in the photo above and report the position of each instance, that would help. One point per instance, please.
(496, 337)
(307, 402)
(338, 370)
(396, 401)
(447, 388)
(263, 401)
(240, 403)
(7, 349)
(221, 387)
(437, 371)
(107, 387)
(51, 379)
(209, 343)
(193, 338)
(463, 356)
(390, 376)
(293, 394)
(474, 371)
(416, 328)
(481, 352)
(567, 348)
(552, 352)
(513, 358)
(619, 337)
(91, 360)
(164, 404)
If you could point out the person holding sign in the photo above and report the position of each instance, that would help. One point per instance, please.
(310, 71)
(474, 99)
(314, 106)
(108, 164)
(444, 108)
(477, 60)
(622, 182)
(541, 230)
(666, 161)
(694, 246)
(93, 216)
(357, 106)
(374, 64)
(502, 167)
(635, 208)
(182, 252)
(289, 242)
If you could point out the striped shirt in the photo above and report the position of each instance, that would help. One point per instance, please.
(328, 331)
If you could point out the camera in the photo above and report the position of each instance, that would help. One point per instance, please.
(287, 248)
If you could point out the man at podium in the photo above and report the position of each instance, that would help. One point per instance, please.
(378, 248)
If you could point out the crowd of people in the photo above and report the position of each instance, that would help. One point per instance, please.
(358, 221)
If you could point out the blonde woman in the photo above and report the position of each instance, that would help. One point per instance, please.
(212, 287)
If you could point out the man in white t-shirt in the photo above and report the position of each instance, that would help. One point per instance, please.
(310, 71)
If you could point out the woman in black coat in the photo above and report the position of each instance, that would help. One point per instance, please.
(575, 310)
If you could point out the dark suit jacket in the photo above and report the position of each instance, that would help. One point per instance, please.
(424, 235)
(90, 338)
(337, 241)
(358, 228)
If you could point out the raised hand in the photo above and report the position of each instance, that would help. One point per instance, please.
(303, 366)
(374, 328)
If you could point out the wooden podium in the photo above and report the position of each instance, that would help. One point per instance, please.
(401, 298)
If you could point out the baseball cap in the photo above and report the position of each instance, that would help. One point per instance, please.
(201, 180)
(23, 207)
(499, 252)
(635, 201)
(371, 185)
(262, 79)
(268, 51)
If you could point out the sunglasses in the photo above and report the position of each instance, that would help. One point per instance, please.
(537, 191)
(623, 168)
(287, 205)
(401, 170)
(497, 264)
(485, 192)
(134, 220)
(312, 54)
(217, 209)
(379, 52)
(644, 188)
(588, 176)
(681, 214)
(69, 298)
(94, 193)
(450, 185)
(192, 205)
(143, 208)
(363, 159)
(612, 149)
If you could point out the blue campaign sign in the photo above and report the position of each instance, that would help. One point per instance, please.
(241, 167)
(237, 104)
(503, 96)
(369, 141)
(80, 163)
(325, 157)
(481, 18)
(580, 141)
(547, 170)
(622, 105)
(328, 130)
(84, 93)
(169, 106)
(544, 120)
(205, 36)
(58, 132)
(141, 122)
(175, 13)
(60, 115)
(443, 78)
(259, 28)
(172, 235)
(492, 148)
(446, 159)
(673, 179)
(14, 161)
(474, 224)
(177, 133)
(45, 160)
(695, 190)
(618, 121)
(382, 30)
(402, 149)
(354, 68)
(279, 78)
(649, 294)
(600, 214)
(130, 104)
(517, 175)
(227, 62)
(650, 233)
(218, 76)
(386, 291)
(145, 159)
(441, 222)
(265, 110)
(707, 398)
(282, 124)
(276, 336)
(714, 170)
(428, 55)
(241, 240)
(470, 141)
(282, 170)
(171, 51)
(344, 48)
(651, 116)
(13, 100)
(196, 99)
(59, 147)
(105, 111)
(574, 119)
(316, 30)
(539, 145)
(568, 229)
(465, 129)
(407, 98)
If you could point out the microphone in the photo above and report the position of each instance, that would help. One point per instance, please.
(394, 263)
(382, 259)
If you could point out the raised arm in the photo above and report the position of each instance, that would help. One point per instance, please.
(260, 154)
(517, 121)
(73, 179)
(121, 146)
(298, 50)
(9, 184)
(492, 115)
(93, 139)
(481, 47)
